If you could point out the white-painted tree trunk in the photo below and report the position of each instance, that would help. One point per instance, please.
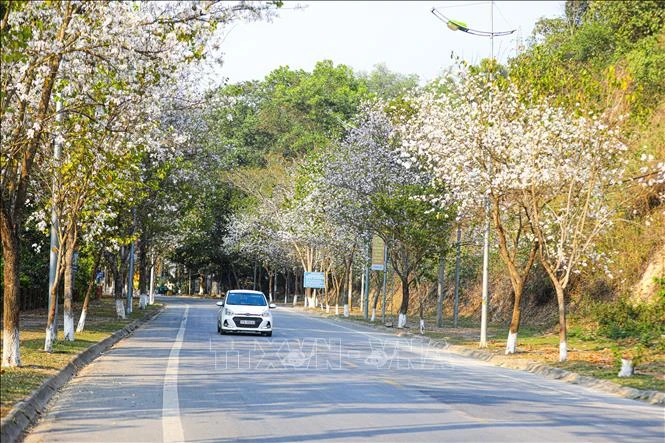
(143, 301)
(68, 326)
(10, 348)
(346, 310)
(81, 323)
(627, 369)
(295, 300)
(120, 308)
(511, 344)
(422, 326)
(48, 340)
(563, 351)
(373, 314)
(336, 309)
(401, 320)
(327, 308)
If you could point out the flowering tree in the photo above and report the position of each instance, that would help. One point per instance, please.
(570, 203)
(484, 140)
(134, 47)
(369, 187)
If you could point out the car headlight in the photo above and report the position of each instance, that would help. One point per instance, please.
(227, 311)
(266, 313)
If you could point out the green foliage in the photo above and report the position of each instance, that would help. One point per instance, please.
(621, 320)
(383, 83)
(306, 111)
(600, 54)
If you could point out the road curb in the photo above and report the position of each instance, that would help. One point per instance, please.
(652, 397)
(25, 412)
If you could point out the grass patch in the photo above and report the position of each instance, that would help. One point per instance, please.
(101, 322)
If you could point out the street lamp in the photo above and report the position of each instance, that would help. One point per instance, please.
(457, 25)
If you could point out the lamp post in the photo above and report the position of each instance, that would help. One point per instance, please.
(456, 25)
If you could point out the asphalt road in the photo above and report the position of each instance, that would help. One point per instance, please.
(319, 380)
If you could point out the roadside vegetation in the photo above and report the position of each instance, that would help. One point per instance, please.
(38, 365)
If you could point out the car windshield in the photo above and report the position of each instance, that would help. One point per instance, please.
(245, 299)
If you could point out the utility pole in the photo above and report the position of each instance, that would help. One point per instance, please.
(456, 25)
(457, 265)
(55, 243)
(385, 280)
(366, 289)
(440, 290)
(130, 274)
(486, 239)
(151, 298)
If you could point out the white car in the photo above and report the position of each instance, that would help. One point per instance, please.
(245, 311)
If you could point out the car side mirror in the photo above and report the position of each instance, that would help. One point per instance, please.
(272, 305)
(220, 303)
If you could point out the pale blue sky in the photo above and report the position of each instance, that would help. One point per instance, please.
(403, 34)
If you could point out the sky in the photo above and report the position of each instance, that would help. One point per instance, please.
(404, 35)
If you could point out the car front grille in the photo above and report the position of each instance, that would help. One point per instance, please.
(239, 321)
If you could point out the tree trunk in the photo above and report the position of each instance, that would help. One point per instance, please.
(404, 307)
(558, 287)
(11, 355)
(511, 344)
(375, 302)
(86, 300)
(67, 311)
(143, 265)
(51, 329)
(117, 289)
(286, 287)
(201, 283)
(563, 331)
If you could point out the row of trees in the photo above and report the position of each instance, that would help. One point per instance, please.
(90, 95)
(299, 170)
(550, 155)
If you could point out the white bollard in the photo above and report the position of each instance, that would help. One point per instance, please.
(627, 369)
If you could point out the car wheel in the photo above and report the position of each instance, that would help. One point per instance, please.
(219, 329)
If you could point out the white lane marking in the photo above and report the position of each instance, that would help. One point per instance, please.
(171, 424)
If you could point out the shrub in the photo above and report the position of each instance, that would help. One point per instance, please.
(620, 319)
